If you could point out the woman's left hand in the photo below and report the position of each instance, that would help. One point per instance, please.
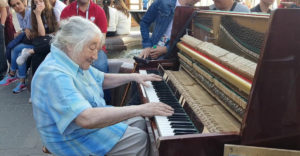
(141, 78)
(39, 9)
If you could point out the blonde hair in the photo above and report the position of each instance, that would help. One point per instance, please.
(120, 5)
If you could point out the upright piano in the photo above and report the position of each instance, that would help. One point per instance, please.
(237, 83)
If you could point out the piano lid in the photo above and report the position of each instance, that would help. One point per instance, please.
(273, 112)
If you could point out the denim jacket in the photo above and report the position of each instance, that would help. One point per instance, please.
(161, 12)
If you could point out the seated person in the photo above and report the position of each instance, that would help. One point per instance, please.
(70, 112)
(15, 47)
(263, 6)
(111, 17)
(228, 5)
(123, 18)
(161, 12)
(24, 18)
(44, 25)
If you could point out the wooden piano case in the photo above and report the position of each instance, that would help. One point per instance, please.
(271, 118)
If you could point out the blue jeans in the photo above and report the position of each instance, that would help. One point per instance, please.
(101, 63)
(14, 55)
(12, 44)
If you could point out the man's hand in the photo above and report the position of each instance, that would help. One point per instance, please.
(141, 78)
(145, 53)
(158, 51)
(155, 109)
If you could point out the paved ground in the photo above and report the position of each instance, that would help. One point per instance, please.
(18, 135)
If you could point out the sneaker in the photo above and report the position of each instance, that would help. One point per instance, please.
(20, 87)
(8, 80)
(23, 57)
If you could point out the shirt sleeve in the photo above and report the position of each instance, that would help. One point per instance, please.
(65, 101)
(63, 14)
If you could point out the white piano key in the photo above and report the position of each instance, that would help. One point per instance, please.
(162, 122)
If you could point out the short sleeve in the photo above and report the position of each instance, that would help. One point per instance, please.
(65, 101)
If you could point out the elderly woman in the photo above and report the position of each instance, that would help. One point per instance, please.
(68, 105)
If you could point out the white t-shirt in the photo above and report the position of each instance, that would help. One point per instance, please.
(58, 8)
(124, 23)
(112, 25)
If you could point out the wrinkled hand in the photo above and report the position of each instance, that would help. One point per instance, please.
(158, 51)
(156, 109)
(39, 8)
(141, 78)
(145, 53)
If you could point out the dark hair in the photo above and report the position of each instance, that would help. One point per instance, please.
(8, 1)
(106, 3)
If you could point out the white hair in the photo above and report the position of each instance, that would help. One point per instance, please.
(75, 32)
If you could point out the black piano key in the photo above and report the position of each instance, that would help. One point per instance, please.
(185, 131)
(182, 126)
(180, 121)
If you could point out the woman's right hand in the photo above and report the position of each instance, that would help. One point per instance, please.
(28, 33)
(155, 109)
(145, 53)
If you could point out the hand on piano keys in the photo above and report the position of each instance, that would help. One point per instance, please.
(155, 109)
(143, 78)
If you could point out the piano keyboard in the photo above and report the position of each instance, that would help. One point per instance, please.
(177, 124)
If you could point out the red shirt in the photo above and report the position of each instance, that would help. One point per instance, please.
(96, 15)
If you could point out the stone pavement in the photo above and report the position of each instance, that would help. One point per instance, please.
(18, 134)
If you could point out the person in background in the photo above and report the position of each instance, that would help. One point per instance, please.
(44, 25)
(111, 17)
(16, 46)
(161, 12)
(228, 5)
(24, 18)
(8, 26)
(145, 4)
(89, 10)
(58, 7)
(263, 6)
(123, 18)
(70, 112)
(3, 16)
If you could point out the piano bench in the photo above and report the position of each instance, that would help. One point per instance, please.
(45, 150)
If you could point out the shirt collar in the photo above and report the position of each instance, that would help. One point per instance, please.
(65, 60)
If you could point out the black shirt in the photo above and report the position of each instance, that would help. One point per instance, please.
(257, 9)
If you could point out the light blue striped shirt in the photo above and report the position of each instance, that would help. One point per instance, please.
(25, 22)
(60, 92)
